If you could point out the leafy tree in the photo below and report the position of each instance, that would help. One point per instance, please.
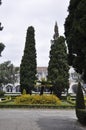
(0, 23)
(28, 63)
(43, 83)
(1, 27)
(7, 73)
(58, 66)
(2, 46)
(75, 32)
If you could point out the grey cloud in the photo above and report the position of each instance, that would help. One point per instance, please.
(17, 15)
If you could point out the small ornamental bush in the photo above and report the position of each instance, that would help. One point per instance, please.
(80, 105)
(24, 91)
(37, 99)
(2, 93)
(81, 114)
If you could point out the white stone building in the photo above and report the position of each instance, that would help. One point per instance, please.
(73, 80)
(15, 88)
(41, 73)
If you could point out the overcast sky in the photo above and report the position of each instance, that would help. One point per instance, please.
(17, 15)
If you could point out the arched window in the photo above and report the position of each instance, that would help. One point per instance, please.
(74, 88)
(1, 88)
(18, 88)
(9, 88)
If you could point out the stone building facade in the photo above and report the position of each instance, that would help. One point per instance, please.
(15, 88)
(41, 73)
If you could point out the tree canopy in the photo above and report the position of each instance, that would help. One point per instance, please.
(58, 66)
(2, 46)
(28, 63)
(75, 32)
(8, 73)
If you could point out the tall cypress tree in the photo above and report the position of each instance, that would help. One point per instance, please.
(58, 66)
(28, 63)
(75, 32)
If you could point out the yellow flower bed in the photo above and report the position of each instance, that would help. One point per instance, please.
(37, 99)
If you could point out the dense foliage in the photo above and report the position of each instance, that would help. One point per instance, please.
(75, 32)
(43, 85)
(28, 63)
(80, 105)
(8, 73)
(1, 94)
(58, 66)
(2, 46)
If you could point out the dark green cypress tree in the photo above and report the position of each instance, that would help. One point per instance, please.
(58, 66)
(28, 63)
(80, 104)
(75, 32)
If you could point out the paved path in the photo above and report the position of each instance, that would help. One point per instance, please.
(38, 119)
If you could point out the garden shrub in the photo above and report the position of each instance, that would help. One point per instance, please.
(24, 91)
(80, 105)
(37, 99)
(71, 99)
(81, 114)
(2, 93)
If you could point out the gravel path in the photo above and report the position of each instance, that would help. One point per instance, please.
(38, 119)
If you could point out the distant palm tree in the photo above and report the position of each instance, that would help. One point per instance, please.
(44, 83)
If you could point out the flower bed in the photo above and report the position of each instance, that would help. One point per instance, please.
(37, 99)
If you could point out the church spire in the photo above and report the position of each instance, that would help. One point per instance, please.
(56, 33)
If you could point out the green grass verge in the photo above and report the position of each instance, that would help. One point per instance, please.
(50, 106)
(11, 104)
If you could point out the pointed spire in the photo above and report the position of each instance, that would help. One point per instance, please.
(56, 33)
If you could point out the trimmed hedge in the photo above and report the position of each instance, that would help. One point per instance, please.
(80, 105)
(81, 114)
(71, 100)
(2, 94)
